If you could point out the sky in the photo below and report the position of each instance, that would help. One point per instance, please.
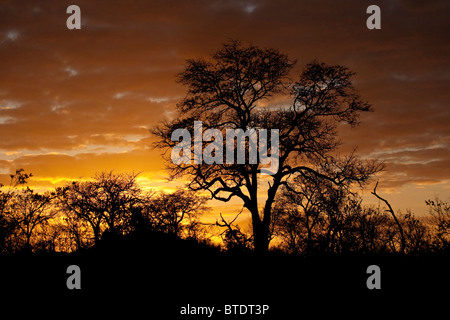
(76, 102)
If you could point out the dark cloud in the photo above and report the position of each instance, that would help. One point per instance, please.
(73, 91)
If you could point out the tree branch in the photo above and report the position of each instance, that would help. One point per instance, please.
(374, 192)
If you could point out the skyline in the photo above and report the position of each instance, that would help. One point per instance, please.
(76, 102)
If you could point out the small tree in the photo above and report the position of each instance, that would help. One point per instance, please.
(417, 234)
(30, 211)
(115, 195)
(76, 233)
(8, 226)
(103, 203)
(363, 229)
(310, 206)
(233, 238)
(440, 213)
(178, 211)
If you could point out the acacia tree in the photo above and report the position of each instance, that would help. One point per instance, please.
(232, 90)
(77, 201)
(302, 209)
(30, 211)
(440, 213)
(171, 212)
(8, 226)
(103, 203)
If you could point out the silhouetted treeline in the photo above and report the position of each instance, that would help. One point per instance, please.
(321, 219)
(81, 213)
(307, 221)
(356, 229)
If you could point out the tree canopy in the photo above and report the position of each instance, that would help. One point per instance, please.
(234, 89)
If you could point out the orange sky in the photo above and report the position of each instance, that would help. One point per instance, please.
(75, 102)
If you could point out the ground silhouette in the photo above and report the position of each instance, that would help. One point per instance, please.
(159, 273)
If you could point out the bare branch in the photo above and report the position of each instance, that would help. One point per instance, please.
(403, 244)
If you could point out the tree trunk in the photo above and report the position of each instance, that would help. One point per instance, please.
(260, 237)
(260, 232)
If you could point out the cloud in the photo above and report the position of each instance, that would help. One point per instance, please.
(12, 35)
(120, 95)
(91, 94)
(71, 72)
(158, 100)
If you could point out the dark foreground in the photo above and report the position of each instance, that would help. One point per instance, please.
(162, 279)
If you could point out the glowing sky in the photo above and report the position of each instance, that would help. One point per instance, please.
(75, 102)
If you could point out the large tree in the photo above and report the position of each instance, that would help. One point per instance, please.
(247, 87)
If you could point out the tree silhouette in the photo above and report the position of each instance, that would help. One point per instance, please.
(400, 228)
(8, 226)
(174, 212)
(30, 210)
(304, 206)
(440, 212)
(417, 235)
(231, 91)
(103, 203)
(20, 177)
(233, 238)
(311, 215)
